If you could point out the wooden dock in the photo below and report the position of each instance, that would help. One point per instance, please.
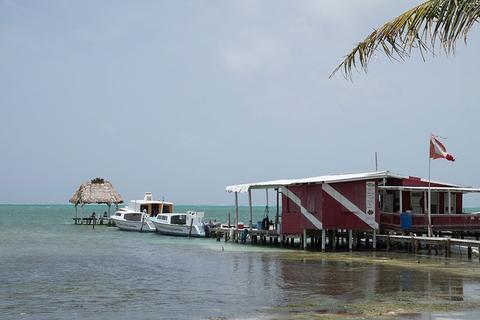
(333, 240)
(415, 243)
(93, 221)
(241, 235)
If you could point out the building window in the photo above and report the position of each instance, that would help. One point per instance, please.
(416, 202)
(453, 202)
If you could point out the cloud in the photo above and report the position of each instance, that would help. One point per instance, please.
(253, 52)
(247, 8)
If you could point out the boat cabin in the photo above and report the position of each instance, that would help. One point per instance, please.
(191, 217)
(152, 207)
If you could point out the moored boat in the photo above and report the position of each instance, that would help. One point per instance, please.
(137, 215)
(188, 224)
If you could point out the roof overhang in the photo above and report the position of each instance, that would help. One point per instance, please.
(241, 188)
(436, 189)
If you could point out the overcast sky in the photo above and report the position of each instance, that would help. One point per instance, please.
(183, 98)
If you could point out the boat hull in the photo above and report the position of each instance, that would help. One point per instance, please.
(179, 230)
(134, 225)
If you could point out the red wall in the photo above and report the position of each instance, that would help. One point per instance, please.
(459, 202)
(328, 210)
(293, 221)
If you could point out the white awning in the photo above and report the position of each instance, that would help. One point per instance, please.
(313, 180)
(436, 189)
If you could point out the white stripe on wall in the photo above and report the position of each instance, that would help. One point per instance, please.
(350, 206)
(292, 196)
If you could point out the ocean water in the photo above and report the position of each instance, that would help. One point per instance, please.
(53, 269)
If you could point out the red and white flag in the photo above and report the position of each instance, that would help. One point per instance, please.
(438, 150)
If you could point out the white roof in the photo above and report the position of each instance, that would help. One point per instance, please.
(321, 179)
(150, 201)
(438, 189)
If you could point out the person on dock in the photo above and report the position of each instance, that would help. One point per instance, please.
(94, 217)
(265, 223)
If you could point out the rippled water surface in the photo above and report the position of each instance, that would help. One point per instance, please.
(52, 269)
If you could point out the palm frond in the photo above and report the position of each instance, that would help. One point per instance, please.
(444, 21)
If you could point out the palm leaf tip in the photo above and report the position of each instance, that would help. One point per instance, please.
(422, 27)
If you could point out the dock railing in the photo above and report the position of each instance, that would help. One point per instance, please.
(467, 222)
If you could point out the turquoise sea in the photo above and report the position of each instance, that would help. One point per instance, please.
(53, 269)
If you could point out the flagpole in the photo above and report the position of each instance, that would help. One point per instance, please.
(429, 217)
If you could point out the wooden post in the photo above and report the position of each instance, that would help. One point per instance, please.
(449, 203)
(250, 209)
(447, 248)
(236, 211)
(425, 202)
(332, 237)
(350, 240)
(400, 200)
(82, 213)
(277, 212)
(469, 253)
(304, 239)
(190, 230)
(323, 240)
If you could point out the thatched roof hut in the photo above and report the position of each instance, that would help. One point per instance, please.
(96, 190)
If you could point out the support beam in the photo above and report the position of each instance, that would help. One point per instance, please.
(236, 211)
(277, 211)
(374, 239)
(425, 201)
(449, 203)
(323, 239)
(250, 210)
(304, 239)
(350, 240)
(400, 201)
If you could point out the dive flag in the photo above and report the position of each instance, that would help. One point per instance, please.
(438, 150)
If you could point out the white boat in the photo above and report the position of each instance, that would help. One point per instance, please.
(137, 215)
(189, 224)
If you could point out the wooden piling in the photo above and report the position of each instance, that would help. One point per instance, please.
(350, 240)
(323, 239)
(304, 238)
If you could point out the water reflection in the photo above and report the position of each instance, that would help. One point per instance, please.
(351, 281)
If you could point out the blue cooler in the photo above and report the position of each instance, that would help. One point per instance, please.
(405, 221)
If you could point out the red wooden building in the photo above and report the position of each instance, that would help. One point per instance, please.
(363, 202)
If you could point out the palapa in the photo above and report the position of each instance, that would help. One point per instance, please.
(96, 190)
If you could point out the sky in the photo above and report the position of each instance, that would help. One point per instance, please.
(182, 98)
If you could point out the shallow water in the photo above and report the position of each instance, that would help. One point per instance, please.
(52, 269)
